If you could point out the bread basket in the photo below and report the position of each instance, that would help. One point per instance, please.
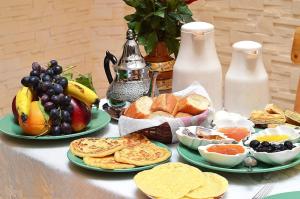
(163, 129)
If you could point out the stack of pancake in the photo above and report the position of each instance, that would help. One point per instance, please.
(119, 153)
(180, 181)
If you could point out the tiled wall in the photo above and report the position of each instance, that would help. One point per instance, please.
(77, 32)
(271, 22)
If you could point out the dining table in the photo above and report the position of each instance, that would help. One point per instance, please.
(41, 169)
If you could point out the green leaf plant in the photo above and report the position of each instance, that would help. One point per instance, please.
(158, 21)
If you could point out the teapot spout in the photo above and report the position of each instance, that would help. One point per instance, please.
(153, 91)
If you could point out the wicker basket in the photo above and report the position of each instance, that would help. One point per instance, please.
(161, 133)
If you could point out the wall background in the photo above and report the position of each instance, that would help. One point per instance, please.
(77, 32)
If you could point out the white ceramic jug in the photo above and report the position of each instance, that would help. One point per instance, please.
(197, 60)
(246, 81)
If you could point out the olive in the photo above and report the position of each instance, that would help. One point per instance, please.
(265, 144)
(288, 145)
(254, 144)
(281, 147)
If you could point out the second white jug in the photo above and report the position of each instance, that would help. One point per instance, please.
(197, 60)
(246, 81)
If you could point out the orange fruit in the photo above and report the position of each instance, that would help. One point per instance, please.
(36, 123)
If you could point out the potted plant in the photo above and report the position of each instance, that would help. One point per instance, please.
(157, 25)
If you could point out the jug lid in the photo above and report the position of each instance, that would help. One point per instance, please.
(197, 27)
(247, 46)
(131, 57)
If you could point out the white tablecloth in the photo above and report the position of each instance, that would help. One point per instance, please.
(40, 169)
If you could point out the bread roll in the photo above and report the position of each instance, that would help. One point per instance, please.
(181, 114)
(140, 109)
(164, 102)
(193, 104)
(160, 114)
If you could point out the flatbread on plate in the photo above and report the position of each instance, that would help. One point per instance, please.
(169, 181)
(142, 154)
(134, 139)
(215, 186)
(107, 162)
(96, 147)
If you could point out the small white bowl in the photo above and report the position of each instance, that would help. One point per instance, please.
(225, 119)
(193, 141)
(277, 158)
(294, 135)
(222, 159)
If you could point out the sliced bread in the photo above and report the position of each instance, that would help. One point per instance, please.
(164, 102)
(160, 114)
(193, 104)
(140, 109)
(181, 114)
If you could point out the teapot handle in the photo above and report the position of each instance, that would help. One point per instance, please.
(113, 59)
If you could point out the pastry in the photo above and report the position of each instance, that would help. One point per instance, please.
(292, 117)
(140, 109)
(263, 117)
(273, 109)
(142, 154)
(107, 162)
(96, 147)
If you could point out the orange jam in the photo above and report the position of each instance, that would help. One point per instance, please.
(236, 133)
(228, 149)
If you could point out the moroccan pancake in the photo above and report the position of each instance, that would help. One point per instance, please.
(134, 139)
(142, 154)
(107, 162)
(169, 181)
(96, 147)
(215, 185)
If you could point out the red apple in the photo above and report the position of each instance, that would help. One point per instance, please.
(14, 109)
(81, 115)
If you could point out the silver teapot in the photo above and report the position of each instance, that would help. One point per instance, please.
(131, 75)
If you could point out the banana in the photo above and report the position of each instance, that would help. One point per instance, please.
(82, 93)
(23, 99)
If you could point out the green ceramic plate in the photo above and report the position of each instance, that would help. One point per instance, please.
(79, 162)
(195, 158)
(99, 120)
(287, 195)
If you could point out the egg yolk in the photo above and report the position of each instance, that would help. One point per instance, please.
(272, 138)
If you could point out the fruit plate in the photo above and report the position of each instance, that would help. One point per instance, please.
(8, 126)
(79, 162)
(195, 158)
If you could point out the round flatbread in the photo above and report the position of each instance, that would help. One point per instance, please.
(215, 185)
(169, 181)
(96, 147)
(106, 163)
(142, 154)
(134, 139)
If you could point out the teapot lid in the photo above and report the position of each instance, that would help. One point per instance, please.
(131, 57)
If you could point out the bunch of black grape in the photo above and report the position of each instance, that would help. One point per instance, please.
(50, 87)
